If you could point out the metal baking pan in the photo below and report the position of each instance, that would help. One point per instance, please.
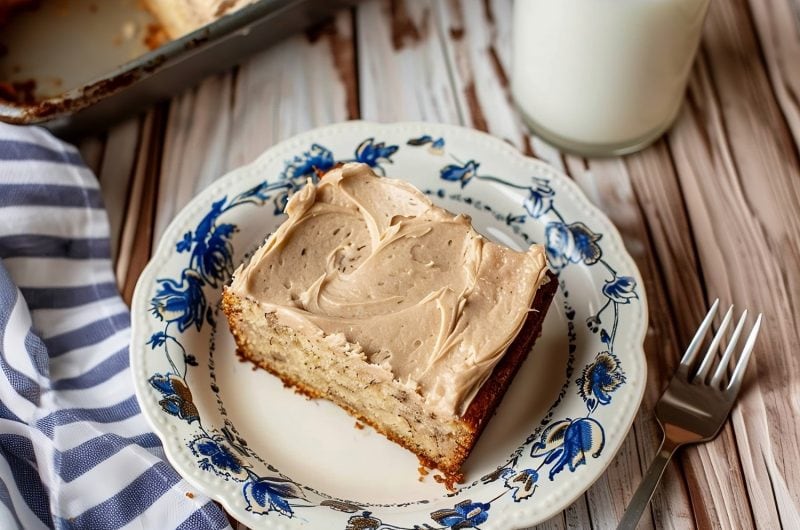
(79, 65)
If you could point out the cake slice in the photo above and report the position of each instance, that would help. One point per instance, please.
(396, 310)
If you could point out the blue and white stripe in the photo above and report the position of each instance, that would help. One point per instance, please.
(75, 451)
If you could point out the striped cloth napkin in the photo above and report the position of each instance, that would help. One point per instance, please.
(75, 451)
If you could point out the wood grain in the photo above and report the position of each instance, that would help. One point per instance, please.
(478, 41)
(115, 171)
(92, 149)
(228, 120)
(196, 146)
(137, 228)
(663, 265)
(742, 192)
(402, 69)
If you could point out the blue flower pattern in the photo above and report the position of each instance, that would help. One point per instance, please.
(213, 250)
(521, 484)
(317, 158)
(620, 289)
(563, 444)
(181, 303)
(435, 145)
(184, 244)
(573, 243)
(176, 397)
(375, 154)
(266, 495)
(465, 514)
(540, 197)
(567, 442)
(600, 379)
(217, 457)
(462, 173)
(157, 339)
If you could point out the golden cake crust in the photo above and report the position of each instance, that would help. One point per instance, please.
(480, 409)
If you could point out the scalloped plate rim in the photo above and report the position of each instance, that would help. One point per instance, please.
(164, 248)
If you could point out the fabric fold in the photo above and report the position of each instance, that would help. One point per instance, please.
(75, 450)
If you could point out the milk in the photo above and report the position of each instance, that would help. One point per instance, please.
(603, 76)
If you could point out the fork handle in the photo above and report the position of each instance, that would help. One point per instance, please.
(648, 485)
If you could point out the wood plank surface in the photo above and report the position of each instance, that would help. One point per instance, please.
(711, 210)
(228, 120)
(743, 193)
(137, 227)
(776, 24)
(403, 72)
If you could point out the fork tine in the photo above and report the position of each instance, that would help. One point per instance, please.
(741, 365)
(688, 357)
(726, 357)
(711, 351)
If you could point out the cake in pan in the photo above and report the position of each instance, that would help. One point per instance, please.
(179, 17)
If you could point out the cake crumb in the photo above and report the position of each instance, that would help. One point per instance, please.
(128, 30)
(155, 36)
(359, 426)
(449, 481)
(423, 469)
(423, 472)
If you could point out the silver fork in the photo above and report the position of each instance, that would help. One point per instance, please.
(694, 408)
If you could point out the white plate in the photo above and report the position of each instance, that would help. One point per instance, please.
(277, 460)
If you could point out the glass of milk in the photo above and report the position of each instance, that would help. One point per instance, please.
(603, 77)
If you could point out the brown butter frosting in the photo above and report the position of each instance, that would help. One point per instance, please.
(371, 261)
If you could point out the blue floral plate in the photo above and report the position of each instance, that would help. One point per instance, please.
(277, 460)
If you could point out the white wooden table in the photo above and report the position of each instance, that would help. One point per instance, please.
(712, 209)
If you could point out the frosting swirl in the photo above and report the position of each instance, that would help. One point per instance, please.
(372, 261)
